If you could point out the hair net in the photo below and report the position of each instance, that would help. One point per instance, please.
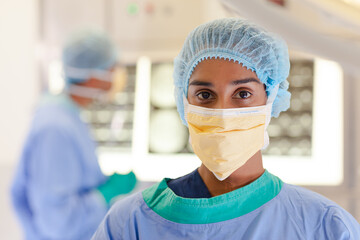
(240, 41)
(86, 52)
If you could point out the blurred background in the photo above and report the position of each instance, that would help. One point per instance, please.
(314, 144)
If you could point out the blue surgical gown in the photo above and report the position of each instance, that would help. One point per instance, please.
(54, 189)
(265, 209)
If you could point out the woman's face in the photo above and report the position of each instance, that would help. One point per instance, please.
(218, 83)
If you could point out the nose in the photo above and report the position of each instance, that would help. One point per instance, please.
(223, 103)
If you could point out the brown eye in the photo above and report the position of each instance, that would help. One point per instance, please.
(204, 95)
(244, 94)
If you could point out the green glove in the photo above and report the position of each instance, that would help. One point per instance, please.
(117, 184)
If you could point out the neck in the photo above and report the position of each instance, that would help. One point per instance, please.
(243, 176)
(81, 101)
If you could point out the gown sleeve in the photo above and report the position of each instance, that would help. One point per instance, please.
(105, 230)
(338, 224)
(123, 220)
(61, 205)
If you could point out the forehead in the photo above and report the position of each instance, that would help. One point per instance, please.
(220, 70)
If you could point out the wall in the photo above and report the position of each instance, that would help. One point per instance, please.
(19, 88)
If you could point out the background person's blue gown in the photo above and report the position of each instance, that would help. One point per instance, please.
(53, 191)
(265, 209)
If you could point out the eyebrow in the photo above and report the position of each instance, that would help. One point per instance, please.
(246, 80)
(200, 83)
(236, 82)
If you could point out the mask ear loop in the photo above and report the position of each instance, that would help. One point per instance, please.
(269, 103)
(273, 94)
(186, 106)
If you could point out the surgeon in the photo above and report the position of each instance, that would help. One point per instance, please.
(59, 191)
(230, 79)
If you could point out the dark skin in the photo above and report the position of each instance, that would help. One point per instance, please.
(218, 83)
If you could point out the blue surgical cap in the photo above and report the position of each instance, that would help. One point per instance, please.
(85, 51)
(240, 41)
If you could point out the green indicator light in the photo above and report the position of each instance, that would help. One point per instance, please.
(132, 8)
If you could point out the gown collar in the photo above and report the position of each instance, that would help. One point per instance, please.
(162, 200)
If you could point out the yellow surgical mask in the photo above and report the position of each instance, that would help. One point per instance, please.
(225, 139)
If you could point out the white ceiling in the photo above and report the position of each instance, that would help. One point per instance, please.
(323, 28)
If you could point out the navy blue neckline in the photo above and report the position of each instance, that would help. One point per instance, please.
(189, 186)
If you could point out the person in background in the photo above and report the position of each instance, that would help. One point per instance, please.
(230, 79)
(59, 191)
